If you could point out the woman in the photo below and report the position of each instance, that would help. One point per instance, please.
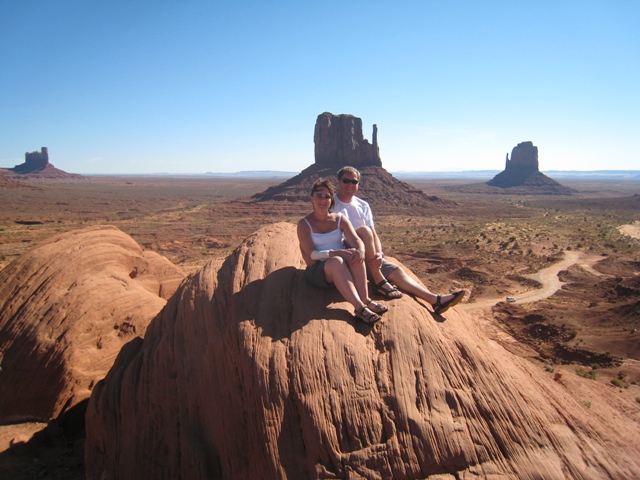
(329, 263)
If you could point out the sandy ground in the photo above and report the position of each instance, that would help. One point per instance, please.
(632, 230)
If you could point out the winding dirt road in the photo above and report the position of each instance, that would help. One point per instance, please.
(548, 277)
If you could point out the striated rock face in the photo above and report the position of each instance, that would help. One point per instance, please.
(522, 171)
(249, 372)
(67, 307)
(339, 141)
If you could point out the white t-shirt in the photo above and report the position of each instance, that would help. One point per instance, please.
(357, 211)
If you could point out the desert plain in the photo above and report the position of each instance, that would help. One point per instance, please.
(570, 262)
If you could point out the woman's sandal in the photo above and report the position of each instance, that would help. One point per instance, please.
(440, 307)
(391, 293)
(367, 316)
(376, 307)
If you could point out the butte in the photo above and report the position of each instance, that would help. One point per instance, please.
(339, 142)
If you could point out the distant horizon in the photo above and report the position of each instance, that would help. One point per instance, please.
(189, 87)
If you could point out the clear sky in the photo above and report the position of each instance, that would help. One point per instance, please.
(228, 86)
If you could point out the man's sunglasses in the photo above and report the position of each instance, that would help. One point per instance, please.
(352, 182)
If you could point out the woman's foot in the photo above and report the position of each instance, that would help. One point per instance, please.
(377, 307)
(387, 290)
(367, 316)
(445, 302)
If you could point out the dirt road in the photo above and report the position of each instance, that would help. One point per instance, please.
(548, 277)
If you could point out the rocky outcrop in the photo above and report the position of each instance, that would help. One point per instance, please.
(67, 307)
(37, 164)
(383, 191)
(522, 171)
(339, 141)
(249, 372)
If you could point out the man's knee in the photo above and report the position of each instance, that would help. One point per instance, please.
(364, 232)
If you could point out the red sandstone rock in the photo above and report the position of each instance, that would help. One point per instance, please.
(249, 372)
(67, 307)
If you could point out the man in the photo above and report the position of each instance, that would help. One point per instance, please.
(381, 270)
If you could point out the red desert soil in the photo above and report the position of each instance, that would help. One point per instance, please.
(494, 247)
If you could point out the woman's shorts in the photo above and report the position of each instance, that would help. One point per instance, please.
(315, 275)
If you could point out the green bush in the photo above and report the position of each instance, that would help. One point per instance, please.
(591, 375)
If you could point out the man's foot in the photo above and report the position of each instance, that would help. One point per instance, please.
(442, 306)
(367, 316)
(387, 290)
(377, 307)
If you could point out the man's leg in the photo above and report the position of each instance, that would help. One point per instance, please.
(366, 235)
(378, 278)
(407, 284)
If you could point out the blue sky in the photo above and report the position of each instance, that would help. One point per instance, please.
(213, 86)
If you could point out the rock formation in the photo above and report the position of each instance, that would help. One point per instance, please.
(66, 308)
(249, 372)
(37, 164)
(338, 143)
(522, 171)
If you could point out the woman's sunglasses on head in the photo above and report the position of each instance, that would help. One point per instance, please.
(324, 196)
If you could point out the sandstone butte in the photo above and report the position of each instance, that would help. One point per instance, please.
(67, 306)
(249, 372)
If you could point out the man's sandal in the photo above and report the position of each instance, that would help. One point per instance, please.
(367, 316)
(390, 293)
(376, 307)
(440, 307)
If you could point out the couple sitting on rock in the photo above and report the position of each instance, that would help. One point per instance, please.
(340, 245)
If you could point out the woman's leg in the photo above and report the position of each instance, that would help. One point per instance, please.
(337, 272)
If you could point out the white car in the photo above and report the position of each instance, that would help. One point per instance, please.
(511, 299)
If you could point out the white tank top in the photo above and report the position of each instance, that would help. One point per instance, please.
(327, 241)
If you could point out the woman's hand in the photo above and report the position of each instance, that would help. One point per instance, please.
(351, 255)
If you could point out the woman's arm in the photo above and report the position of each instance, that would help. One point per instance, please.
(306, 244)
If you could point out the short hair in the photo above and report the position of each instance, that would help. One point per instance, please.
(326, 183)
(344, 170)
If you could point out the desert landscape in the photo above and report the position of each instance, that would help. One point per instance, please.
(491, 245)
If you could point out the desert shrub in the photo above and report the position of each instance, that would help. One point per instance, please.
(618, 382)
(591, 375)
(586, 403)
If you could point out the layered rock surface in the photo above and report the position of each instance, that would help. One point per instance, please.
(249, 372)
(67, 307)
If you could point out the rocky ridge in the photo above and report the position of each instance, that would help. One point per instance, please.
(249, 372)
(67, 307)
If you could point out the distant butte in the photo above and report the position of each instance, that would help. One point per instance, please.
(520, 176)
(522, 171)
(339, 142)
(36, 164)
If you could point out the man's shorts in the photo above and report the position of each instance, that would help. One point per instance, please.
(387, 268)
(315, 276)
